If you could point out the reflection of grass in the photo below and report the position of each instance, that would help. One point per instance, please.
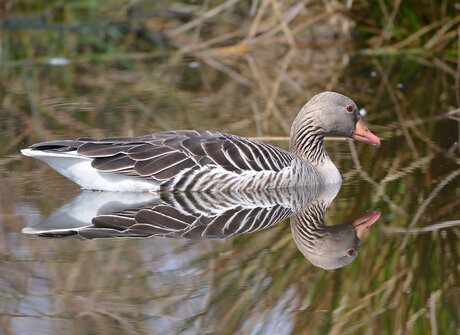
(136, 68)
(152, 40)
(396, 25)
(114, 65)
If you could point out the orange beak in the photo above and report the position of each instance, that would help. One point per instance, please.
(362, 224)
(362, 134)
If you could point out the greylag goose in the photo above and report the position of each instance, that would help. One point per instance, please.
(328, 247)
(200, 215)
(206, 160)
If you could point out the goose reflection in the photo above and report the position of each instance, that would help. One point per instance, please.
(328, 247)
(198, 215)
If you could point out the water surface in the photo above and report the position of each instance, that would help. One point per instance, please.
(405, 278)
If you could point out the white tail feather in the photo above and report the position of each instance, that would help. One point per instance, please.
(78, 169)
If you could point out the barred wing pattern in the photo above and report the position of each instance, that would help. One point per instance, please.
(163, 156)
(190, 215)
(167, 221)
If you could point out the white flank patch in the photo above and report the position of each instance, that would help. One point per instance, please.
(79, 170)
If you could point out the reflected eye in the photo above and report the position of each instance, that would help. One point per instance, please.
(351, 252)
(349, 108)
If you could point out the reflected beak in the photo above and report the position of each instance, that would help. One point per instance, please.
(362, 224)
(362, 134)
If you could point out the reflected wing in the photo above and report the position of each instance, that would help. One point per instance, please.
(196, 215)
(162, 156)
(171, 219)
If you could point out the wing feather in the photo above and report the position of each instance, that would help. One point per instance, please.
(165, 155)
(175, 169)
(193, 145)
(235, 156)
(147, 151)
(152, 166)
(247, 153)
(170, 220)
(112, 164)
(258, 156)
(214, 151)
(112, 222)
(97, 149)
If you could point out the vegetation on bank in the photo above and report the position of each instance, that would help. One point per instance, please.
(84, 30)
(121, 67)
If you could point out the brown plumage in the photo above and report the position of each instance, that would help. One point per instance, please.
(198, 160)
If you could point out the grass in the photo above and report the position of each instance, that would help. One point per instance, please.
(244, 68)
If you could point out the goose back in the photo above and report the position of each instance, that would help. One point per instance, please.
(189, 160)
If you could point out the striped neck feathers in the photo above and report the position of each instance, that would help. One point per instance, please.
(307, 140)
(308, 225)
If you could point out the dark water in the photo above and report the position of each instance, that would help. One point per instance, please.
(405, 278)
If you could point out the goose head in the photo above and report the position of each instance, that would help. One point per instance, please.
(329, 247)
(327, 114)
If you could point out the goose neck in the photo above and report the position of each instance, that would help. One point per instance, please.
(308, 144)
(310, 147)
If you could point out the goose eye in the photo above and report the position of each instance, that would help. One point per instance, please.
(351, 252)
(349, 108)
